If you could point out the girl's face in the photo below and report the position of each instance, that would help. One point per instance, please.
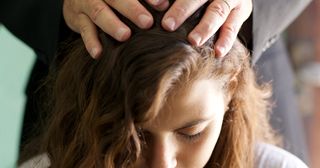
(186, 130)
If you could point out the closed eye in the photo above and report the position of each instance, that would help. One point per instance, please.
(191, 138)
(193, 132)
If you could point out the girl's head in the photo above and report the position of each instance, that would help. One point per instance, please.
(155, 101)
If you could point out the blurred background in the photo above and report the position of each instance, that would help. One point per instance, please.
(16, 61)
(303, 42)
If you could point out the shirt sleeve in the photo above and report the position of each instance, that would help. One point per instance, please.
(274, 157)
(40, 161)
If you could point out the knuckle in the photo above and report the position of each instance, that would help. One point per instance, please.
(134, 10)
(137, 8)
(207, 26)
(96, 8)
(70, 7)
(181, 11)
(218, 9)
(231, 29)
(84, 29)
(86, 39)
(71, 24)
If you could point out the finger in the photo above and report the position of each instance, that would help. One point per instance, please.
(101, 14)
(228, 33)
(69, 15)
(179, 12)
(159, 5)
(155, 2)
(89, 36)
(134, 11)
(215, 15)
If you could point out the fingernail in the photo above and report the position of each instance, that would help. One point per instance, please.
(170, 23)
(121, 32)
(144, 20)
(163, 6)
(196, 38)
(94, 53)
(221, 52)
(155, 2)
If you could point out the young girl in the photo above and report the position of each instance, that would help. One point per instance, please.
(156, 101)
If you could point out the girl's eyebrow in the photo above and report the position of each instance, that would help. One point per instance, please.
(193, 123)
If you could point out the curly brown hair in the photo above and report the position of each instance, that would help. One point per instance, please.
(96, 105)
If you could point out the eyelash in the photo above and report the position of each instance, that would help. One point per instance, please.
(143, 135)
(191, 138)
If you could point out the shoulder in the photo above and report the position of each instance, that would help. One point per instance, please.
(274, 157)
(40, 161)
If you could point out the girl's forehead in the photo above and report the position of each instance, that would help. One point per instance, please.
(202, 100)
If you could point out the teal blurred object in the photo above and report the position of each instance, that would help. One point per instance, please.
(16, 60)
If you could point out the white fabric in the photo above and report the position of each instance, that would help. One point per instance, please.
(267, 156)
(40, 161)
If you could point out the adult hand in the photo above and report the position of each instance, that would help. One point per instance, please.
(82, 16)
(227, 14)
